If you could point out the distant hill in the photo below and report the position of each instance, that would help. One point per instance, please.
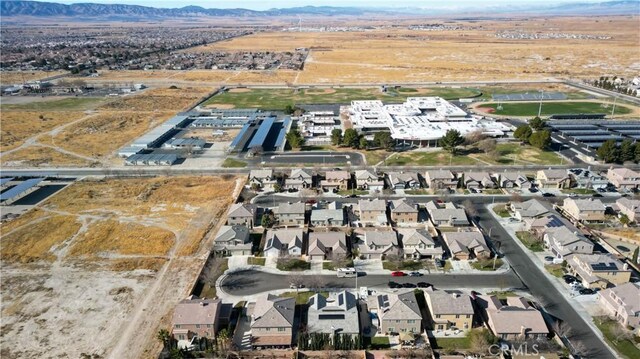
(10, 8)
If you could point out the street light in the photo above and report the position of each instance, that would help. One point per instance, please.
(540, 107)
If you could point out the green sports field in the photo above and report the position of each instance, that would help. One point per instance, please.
(530, 109)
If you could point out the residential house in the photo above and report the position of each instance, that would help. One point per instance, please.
(330, 216)
(367, 180)
(403, 212)
(599, 270)
(449, 310)
(395, 313)
(584, 210)
(539, 226)
(196, 317)
(284, 242)
(478, 180)
(622, 303)
(272, 320)
(466, 244)
(630, 208)
(233, 241)
(263, 179)
(528, 209)
(299, 179)
(327, 245)
(512, 180)
(336, 314)
(441, 179)
(516, 320)
(585, 178)
(446, 215)
(552, 178)
(403, 180)
(418, 243)
(372, 211)
(242, 214)
(624, 178)
(562, 242)
(291, 214)
(336, 181)
(379, 244)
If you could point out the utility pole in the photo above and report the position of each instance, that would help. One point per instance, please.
(540, 107)
(614, 106)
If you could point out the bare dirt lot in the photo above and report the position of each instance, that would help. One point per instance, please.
(99, 265)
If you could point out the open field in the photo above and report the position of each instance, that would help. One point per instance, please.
(13, 77)
(17, 126)
(514, 153)
(126, 232)
(38, 156)
(277, 99)
(530, 109)
(57, 104)
(100, 135)
(164, 99)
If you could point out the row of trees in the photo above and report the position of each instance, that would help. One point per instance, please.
(611, 85)
(295, 139)
(534, 133)
(323, 341)
(350, 138)
(611, 152)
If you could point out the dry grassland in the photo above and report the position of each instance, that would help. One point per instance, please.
(129, 264)
(100, 135)
(31, 216)
(35, 242)
(110, 236)
(12, 77)
(17, 126)
(37, 156)
(158, 100)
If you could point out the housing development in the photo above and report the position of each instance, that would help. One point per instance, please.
(323, 182)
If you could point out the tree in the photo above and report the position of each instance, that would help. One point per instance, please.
(336, 136)
(474, 137)
(634, 257)
(537, 123)
(608, 152)
(277, 187)
(451, 140)
(350, 138)
(627, 150)
(470, 208)
(624, 219)
(395, 260)
(620, 333)
(540, 139)
(268, 220)
(488, 145)
(637, 155)
(289, 109)
(523, 133)
(295, 139)
(383, 139)
(164, 336)
(339, 261)
(363, 143)
(481, 340)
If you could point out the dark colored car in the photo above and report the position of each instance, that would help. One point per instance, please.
(415, 274)
(586, 291)
(601, 190)
(408, 285)
(394, 285)
(597, 195)
(547, 194)
(439, 263)
(424, 285)
(533, 190)
(353, 196)
(549, 258)
(569, 278)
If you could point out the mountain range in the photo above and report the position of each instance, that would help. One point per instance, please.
(91, 10)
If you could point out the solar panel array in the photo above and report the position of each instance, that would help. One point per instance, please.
(611, 266)
(261, 135)
(5, 180)
(593, 133)
(20, 188)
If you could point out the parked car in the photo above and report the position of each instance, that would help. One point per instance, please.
(586, 291)
(601, 190)
(353, 196)
(424, 285)
(547, 194)
(573, 195)
(296, 286)
(533, 190)
(408, 285)
(393, 284)
(549, 258)
(439, 263)
(569, 278)
(398, 274)
(597, 195)
(415, 274)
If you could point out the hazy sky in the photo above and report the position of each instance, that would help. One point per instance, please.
(268, 4)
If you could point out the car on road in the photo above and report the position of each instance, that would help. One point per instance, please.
(573, 195)
(584, 291)
(569, 278)
(597, 195)
(352, 196)
(533, 190)
(408, 285)
(549, 258)
(601, 190)
(398, 274)
(296, 286)
(415, 274)
(547, 194)
(424, 285)
(393, 284)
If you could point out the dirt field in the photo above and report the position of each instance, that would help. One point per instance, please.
(164, 99)
(144, 240)
(38, 156)
(17, 126)
(13, 77)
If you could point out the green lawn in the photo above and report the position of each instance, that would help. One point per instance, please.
(64, 104)
(292, 265)
(555, 269)
(625, 348)
(530, 109)
(302, 297)
(374, 157)
(515, 153)
(233, 163)
(453, 343)
(404, 265)
(486, 264)
(579, 191)
(530, 241)
(489, 91)
(256, 261)
(501, 210)
(431, 158)
(278, 99)
(329, 265)
(380, 343)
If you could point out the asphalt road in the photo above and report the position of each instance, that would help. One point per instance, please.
(311, 157)
(541, 287)
(251, 281)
